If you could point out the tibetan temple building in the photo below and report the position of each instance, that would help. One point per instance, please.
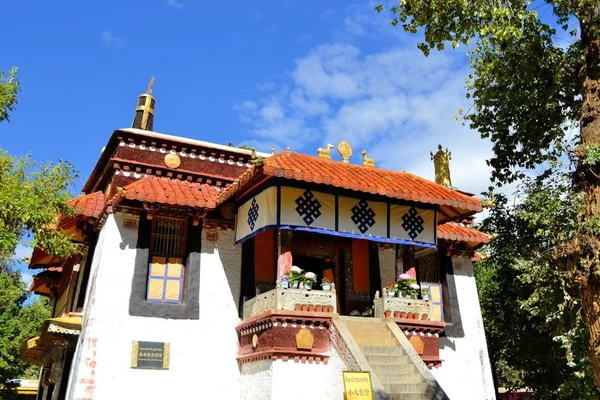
(185, 288)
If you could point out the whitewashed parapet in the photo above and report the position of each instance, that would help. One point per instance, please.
(401, 304)
(287, 299)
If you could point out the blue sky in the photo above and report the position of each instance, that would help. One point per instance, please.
(269, 74)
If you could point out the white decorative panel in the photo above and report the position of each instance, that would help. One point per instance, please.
(362, 217)
(256, 213)
(303, 207)
(412, 223)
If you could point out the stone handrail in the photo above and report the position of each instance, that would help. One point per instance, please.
(401, 304)
(286, 299)
(350, 353)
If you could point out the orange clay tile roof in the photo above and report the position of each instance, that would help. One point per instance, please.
(90, 205)
(461, 233)
(393, 184)
(172, 191)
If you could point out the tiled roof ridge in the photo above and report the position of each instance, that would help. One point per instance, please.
(173, 191)
(90, 205)
(440, 195)
(460, 232)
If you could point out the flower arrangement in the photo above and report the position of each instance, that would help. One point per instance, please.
(413, 290)
(310, 277)
(325, 281)
(285, 281)
(285, 277)
(296, 274)
(404, 281)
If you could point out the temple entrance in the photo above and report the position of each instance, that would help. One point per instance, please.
(327, 258)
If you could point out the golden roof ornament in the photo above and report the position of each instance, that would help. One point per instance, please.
(144, 112)
(367, 162)
(441, 162)
(288, 148)
(345, 151)
(150, 86)
(326, 152)
(272, 150)
(172, 161)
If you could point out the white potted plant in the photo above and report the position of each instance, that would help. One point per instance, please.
(309, 279)
(285, 281)
(325, 285)
(391, 289)
(425, 293)
(296, 276)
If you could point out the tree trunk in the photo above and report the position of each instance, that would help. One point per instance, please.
(587, 180)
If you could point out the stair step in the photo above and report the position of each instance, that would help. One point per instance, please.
(376, 341)
(399, 378)
(411, 396)
(386, 360)
(382, 350)
(406, 368)
(405, 388)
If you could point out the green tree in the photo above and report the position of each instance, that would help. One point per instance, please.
(529, 88)
(9, 88)
(32, 200)
(536, 335)
(18, 321)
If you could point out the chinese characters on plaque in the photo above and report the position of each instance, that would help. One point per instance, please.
(150, 355)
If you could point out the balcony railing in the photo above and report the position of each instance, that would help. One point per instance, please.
(289, 300)
(403, 305)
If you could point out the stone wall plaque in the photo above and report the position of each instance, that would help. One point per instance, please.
(150, 355)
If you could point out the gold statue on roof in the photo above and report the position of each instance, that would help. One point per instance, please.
(367, 162)
(345, 151)
(325, 153)
(441, 162)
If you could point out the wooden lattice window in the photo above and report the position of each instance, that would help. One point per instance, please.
(166, 271)
(168, 236)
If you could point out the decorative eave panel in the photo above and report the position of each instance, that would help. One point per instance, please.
(303, 209)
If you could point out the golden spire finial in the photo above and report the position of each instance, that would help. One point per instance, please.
(288, 148)
(253, 156)
(150, 85)
(441, 162)
(272, 150)
(345, 151)
(367, 162)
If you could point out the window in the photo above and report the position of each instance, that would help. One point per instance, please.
(166, 271)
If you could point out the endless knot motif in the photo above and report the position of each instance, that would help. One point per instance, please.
(363, 216)
(253, 214)
(413, 223)
(308, 207)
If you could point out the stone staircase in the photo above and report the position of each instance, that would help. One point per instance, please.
(388, 360)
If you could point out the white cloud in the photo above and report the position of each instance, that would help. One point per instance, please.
(265, 86)
(327, 13)
(394, 102)
(175, 4)
(112, 41)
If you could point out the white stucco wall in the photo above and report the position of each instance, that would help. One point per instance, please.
(274, 380)
(466, 372)
(202, 362)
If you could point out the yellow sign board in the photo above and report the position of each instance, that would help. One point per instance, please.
(357, 385)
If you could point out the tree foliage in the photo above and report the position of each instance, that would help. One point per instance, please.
(536, 334)
(18, 321)
(532, 81)
(9, 88)
(33, 198)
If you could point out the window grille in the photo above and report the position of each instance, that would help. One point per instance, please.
(166, 271)
(168, 236)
